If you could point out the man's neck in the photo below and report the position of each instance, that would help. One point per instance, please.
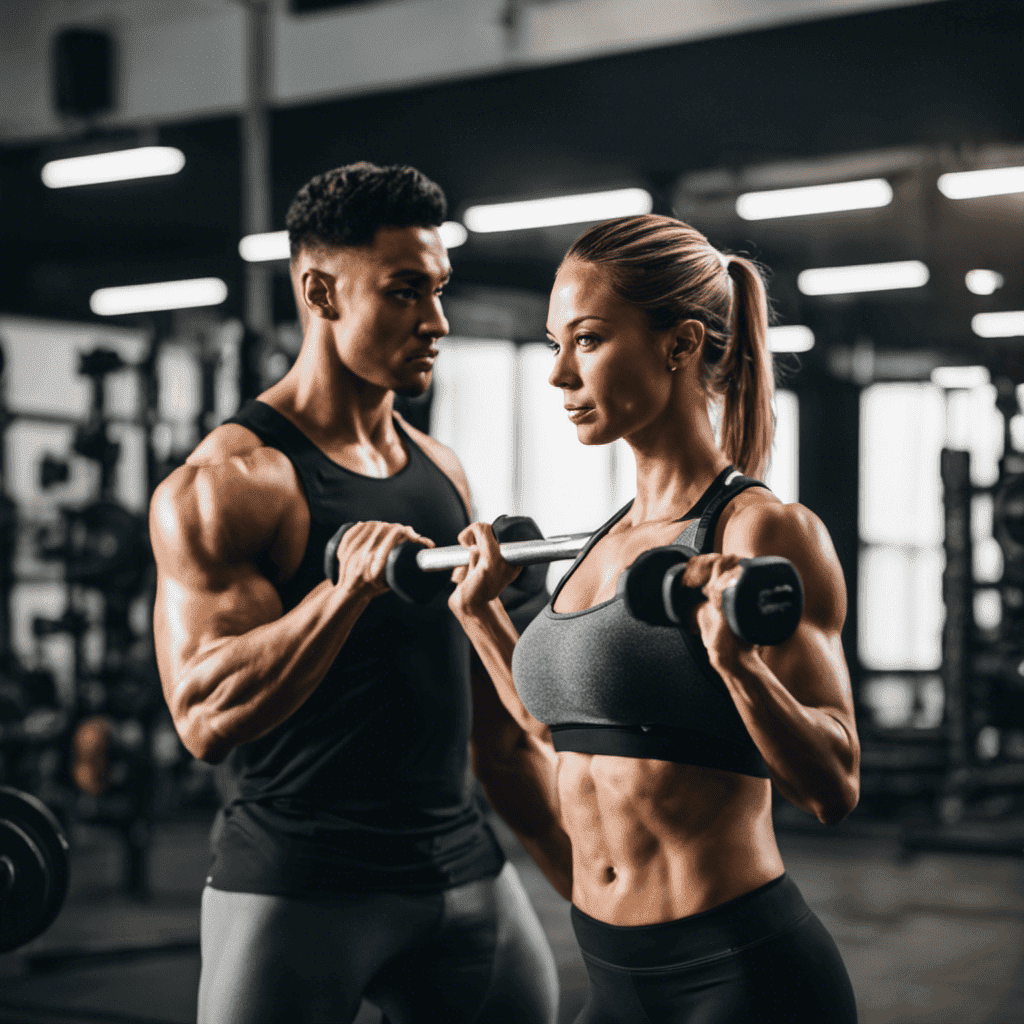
(333, 406)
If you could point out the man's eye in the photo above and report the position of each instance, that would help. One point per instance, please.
(406, 293)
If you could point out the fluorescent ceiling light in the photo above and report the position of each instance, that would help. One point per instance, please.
(270, 245)
(865, 277)
(997, 181)
(800, 202)
(453, 234)
(960, 376)
(983, 282)
(121, 165)
(539, 213)
(146, 298)
(999, 325)
(791, 338)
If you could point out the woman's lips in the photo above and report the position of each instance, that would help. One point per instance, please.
(579, 412)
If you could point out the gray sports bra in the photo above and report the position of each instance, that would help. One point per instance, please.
(608, 684)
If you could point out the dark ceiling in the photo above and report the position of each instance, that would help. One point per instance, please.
(937, 79)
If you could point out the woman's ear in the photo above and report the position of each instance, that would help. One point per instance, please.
(687, 339)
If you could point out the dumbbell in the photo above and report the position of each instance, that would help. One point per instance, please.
(762, 607)
(33, 868)
(418, 574)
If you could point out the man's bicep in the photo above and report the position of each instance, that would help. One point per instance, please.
(197, 609)
(205, 592)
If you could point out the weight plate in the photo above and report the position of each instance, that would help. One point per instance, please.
(33, 868)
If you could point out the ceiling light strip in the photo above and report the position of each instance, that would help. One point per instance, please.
(1009, 324)
(120, 165)
(538, 213)
(865, 277)
(268, 245)
(148, 298)
(790, 338)
(814, 199)
(995, 181)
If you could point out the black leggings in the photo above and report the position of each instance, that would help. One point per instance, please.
(762, 958)
(475, 953)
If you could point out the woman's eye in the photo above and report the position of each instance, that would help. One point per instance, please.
(587, 339)
(552, 345)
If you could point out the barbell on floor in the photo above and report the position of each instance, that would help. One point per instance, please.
(763, 607)
(33, 868)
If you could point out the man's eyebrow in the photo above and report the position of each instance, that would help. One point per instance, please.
(416, 275)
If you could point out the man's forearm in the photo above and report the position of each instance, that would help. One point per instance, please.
(239, 688)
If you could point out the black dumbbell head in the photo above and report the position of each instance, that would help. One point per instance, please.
(331, 552)
(408, 581)
(765, 605)
(515, 528)
(640, 586)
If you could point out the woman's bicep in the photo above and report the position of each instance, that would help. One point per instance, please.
(811, 663)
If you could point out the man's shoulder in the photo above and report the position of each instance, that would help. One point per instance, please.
(232, 482)
(443, 457)
(230, 441)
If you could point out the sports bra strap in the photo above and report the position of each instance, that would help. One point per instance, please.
(697, 532)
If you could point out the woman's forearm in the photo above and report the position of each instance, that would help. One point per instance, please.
(812, 758)
(494, 638)
(512, 753)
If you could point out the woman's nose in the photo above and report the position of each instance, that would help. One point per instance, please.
(563, 374)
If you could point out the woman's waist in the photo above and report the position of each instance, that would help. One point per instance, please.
(744, 919)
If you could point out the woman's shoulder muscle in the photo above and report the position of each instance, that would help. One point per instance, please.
(756, 523)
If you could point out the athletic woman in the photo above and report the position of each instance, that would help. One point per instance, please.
(643, 756)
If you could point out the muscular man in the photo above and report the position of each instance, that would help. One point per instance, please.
(353, 860)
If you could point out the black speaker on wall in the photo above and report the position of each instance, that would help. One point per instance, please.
(83, 71)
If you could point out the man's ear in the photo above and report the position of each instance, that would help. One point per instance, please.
(687, 339)
(316, 293)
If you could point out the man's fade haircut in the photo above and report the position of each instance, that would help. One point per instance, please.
(347, 205)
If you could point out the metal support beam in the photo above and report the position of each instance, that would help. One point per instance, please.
(256, 206)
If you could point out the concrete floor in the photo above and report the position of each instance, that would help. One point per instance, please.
(938, 939)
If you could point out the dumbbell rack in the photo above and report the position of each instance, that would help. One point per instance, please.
(972, 666)
(83, 544)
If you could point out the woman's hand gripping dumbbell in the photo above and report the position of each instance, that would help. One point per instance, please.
(763, 606)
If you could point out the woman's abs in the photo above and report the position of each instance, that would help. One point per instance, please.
(655, 841)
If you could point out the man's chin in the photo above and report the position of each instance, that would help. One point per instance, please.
(414, 388)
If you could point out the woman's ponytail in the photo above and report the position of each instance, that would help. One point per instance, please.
(745, 376)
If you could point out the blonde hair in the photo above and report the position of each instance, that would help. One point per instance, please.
(673, 273)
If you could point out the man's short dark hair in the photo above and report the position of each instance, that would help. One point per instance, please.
(347, 205)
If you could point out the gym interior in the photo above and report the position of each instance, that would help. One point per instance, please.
(869, 153)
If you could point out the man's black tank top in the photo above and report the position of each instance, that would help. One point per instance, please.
(366, 785)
